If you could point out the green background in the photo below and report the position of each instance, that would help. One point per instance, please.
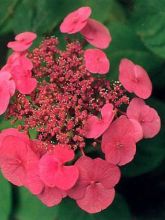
(138, 32)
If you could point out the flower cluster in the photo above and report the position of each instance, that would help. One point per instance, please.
(64, 98)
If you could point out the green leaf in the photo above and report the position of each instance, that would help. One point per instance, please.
(158, 78)
(150, 152)
(117, 211)
(31, 208)
(5, 198)
(33, 133)
(106, 11)
(41, 16)
(127, 44)
(6, 13)
(4, 123)
(68, 209)
(148, 19)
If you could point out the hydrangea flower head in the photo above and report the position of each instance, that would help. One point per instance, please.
(65, 99)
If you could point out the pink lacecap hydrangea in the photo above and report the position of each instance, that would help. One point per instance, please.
(68, 106)
(96, 61)
(135, 79)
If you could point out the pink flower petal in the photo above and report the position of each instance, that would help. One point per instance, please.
(107, 174)
(146, 116)
(96, 61)
(66, 177)
(33, 180)
(75, 21)
(48, 167)
(54, 173)
(13, 154)
(17, 60)
(96, 199)
(86, 167)
(95, 127)
(7, 89)
(18, 46)
(23, 41)
(138, 131)
(26, 85)
(96, 176)
(63, 153)
(118, 142)
(6, 77)
(4, 97)
(28, 37)
(13, 132)
(51, 196)
(121, 152)
(135, 79)
(79, 189)
(96, 34)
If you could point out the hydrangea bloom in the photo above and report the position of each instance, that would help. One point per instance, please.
(51, 196)
(7, 89)
(22, 41)
(75, 21)
(118, 142)
(16, 74)
(93, 31)
(52, 169)
(95, 127)
(68, 106)
(96, 61)
(94, 190)
(14, 161)
(135, 79)
(146, 116)
(20, 68)
(96, 34)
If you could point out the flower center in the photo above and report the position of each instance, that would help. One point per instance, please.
(66, 94)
